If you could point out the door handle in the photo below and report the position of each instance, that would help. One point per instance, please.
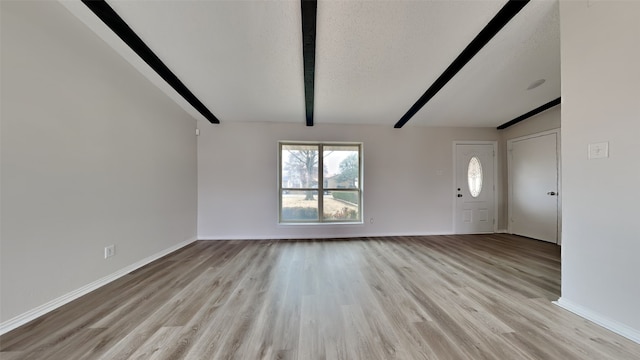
(459, 195)
(552, 193)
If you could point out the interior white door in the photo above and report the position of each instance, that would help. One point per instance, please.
(475, 188)
(533, 198)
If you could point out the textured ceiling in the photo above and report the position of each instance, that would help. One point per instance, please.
(242, 59)
(492, 88)
(374, 59)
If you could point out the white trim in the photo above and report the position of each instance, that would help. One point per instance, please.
(496, 180)
(67, 298)
(558, 171)
(502, 231)
(327, 223)
(607, 323)
(303, 237)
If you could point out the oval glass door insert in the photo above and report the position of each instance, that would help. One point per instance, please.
(474, 177)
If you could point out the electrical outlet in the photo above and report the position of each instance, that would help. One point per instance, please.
(109, 251)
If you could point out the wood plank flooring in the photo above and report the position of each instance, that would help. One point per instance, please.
(429, 297)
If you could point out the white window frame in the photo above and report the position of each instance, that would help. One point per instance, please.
(321, 188)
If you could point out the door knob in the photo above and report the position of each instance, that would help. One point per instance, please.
(552, 193)
(459, 195)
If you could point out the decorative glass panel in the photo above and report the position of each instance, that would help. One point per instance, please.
(474, 177)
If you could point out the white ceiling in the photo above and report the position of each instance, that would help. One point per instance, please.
(492, 88)
(374, 59)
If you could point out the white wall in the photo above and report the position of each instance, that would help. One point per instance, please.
(408, 179)
(601, 102)
(546, 120)
(92, 155)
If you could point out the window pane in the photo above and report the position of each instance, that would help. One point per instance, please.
(341, 205)
(474, 177)
(299, 205)
(299, 166)
(341, 167)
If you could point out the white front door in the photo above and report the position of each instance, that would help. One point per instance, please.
(533, 186)
(474, 188)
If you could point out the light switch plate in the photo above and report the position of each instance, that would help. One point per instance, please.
(599, 150)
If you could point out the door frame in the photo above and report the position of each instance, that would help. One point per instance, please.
(510, 177)
(496, 180)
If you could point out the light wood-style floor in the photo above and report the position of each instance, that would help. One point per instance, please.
(430, 297)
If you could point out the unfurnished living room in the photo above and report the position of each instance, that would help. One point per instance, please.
(332, 179)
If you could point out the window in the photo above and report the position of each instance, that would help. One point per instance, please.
(320, 182)
(474, 177)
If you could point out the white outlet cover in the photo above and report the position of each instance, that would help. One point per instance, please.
(599, 150)
(109, 251)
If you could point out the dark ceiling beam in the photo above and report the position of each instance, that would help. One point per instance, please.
(120, 28)
(309, 14)
(531, 113)
(508, 11)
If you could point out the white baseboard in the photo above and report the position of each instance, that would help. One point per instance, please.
(502, 231)
(298, 236)
(607, 323)
(67, 298)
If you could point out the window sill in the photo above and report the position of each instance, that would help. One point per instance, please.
(321, 223)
